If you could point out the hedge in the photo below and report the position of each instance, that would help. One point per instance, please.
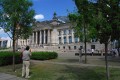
(44, 55)
(6, 58)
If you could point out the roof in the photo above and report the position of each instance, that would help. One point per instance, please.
(50, 24)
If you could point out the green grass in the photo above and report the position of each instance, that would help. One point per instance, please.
(47, 71)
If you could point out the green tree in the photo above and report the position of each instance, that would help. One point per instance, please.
(106, 24)
(82, 19)
(16, 17)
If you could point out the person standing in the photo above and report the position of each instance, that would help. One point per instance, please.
(26, 62)
(80, 55)
(92, 51)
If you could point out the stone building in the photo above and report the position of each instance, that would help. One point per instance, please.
(4, 43)
(57, 35)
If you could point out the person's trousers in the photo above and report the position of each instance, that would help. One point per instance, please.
(25, 68)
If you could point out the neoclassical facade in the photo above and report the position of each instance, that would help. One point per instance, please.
(56, 35)
(5, 43)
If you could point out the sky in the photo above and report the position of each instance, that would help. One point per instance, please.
(44, 10)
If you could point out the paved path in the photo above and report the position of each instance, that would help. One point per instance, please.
(4, 76)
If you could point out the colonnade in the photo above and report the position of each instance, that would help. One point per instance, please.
(48, 36)
(41, 37)
(68, 34)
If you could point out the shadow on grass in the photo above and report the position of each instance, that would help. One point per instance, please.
(61, 78)
(72, 60)
(111, 59)
(79, 73)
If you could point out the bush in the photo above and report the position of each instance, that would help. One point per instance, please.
(6, 58)
(44, 55)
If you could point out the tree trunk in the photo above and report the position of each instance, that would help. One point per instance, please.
(14, 40)
(85, 51)
(85, 43)
(106, 61)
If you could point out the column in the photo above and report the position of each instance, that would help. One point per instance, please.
(44, 36)
(40, 36)
(62, 37)
(36, 37)
(67, 36)
(48, 36)
(33, 38)
(26, 41)
(73, 36)
(29, 40)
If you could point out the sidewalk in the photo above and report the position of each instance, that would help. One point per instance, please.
(4, 76)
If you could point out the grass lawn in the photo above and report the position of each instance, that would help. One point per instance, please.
(47, 71)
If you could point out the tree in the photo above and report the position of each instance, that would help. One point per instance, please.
(106, 23)
(103, 23)
(17, 18)
(82, 20)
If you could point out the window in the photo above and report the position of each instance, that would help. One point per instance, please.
(63, 47)
(74, 47)
(58, 47)
(59, 33)
(69, 47)
(60, 41)
(65, 32)
(92, 46)
(81, 47)
(4, 43)
(70, 39)
(65, 40)
(76, 40)
(70, 31)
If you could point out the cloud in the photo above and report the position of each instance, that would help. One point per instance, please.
(4, 35)
(39, 16)
(6, 38)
